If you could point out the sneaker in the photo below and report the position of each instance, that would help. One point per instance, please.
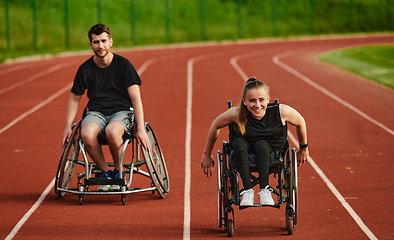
(248, 198)
(105, 188)
(115, 174)
(265, 196)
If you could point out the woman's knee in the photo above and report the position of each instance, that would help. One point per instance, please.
(261, 146)
(240, 145)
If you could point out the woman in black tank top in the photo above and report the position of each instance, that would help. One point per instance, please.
(262, 129)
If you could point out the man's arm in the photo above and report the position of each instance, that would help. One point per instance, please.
(72, 109)
(135, 95)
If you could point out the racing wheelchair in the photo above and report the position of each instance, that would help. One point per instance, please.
(149, 164)
(283, 164)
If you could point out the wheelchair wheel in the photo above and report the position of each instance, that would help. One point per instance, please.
(227, 190)
(294, 174)
(156, 164)
(68, 161)
(291, 192)
(58, 167)
(220, 192)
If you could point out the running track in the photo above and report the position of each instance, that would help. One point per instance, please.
(345, 191)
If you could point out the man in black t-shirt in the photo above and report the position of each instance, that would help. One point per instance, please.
(112, 86)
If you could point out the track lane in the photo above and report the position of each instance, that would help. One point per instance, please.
(204, 209)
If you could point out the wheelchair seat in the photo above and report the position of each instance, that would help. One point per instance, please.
(103, 138)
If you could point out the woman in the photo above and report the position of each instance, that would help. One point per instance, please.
(262, 128)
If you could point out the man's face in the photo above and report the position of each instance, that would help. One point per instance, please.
(101, 44)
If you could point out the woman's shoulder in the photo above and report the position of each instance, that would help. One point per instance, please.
(231, 114)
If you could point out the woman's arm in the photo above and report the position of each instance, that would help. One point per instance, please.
(292, 116)
(223, 120)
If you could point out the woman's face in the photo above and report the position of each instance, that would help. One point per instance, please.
(256, 101)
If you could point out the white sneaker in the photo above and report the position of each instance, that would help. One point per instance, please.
(265, 196)
(114, 188)
(248, 198)
(104, 188)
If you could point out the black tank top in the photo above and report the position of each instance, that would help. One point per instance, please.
(269, 128)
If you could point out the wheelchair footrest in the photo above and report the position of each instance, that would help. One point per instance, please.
(105, 181)
(276, 205)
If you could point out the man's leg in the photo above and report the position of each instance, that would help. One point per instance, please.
(89, 133)
(114, 132)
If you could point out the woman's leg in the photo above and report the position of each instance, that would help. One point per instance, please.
(262, 150)
(241, 148)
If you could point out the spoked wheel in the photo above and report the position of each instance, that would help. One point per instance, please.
(294, 174)
(227, 209)
(291, 192)
(156, 164)
(68, 161)
(220, 192)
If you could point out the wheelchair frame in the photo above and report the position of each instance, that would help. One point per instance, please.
(154, 161)
(229, 193)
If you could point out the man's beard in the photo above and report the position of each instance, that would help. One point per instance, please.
(101, 56)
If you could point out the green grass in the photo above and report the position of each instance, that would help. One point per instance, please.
(372, 62)
(56, 26)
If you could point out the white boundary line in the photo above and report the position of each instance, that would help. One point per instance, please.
(52, 183)
(329, 184)
(189, 105)
(276, 60)
(337, 194)
(35, 76)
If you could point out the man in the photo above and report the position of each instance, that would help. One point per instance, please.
(112, 86)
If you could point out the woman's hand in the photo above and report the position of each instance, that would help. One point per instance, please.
(302, 156)
(207, 162)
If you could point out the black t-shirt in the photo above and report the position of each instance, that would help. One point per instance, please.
(269, 128)
(106, 87)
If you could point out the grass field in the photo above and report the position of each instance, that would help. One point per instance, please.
(372, 62)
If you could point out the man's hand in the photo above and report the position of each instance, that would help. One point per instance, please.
(142, 138)
(66, 135)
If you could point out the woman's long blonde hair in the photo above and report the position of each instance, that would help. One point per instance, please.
(243, 112)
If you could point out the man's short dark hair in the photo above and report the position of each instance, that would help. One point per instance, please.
(97, 30)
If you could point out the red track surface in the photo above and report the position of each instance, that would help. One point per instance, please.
(353, 152)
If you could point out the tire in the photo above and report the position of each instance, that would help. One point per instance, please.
(68, 161)
(156, 164)
(230, 227)
(294, 174)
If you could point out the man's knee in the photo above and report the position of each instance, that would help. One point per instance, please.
(114, 132)
(90, 132)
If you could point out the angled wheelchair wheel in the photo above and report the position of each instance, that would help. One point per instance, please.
(220, 190)
(228, 191)
(68, 161)
(156, 164)
(58, 167)
(291, 192)
(294, 174)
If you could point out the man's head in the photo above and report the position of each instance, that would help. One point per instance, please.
(100, 40)
(97, 30)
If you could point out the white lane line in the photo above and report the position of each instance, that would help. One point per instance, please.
(52, 183)
(38, 106)
(233, 60)
(35, 76)
(31, 211)
(276, 60)
(186, 212)
(331, 186)
(336, 193)
(11, 69)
